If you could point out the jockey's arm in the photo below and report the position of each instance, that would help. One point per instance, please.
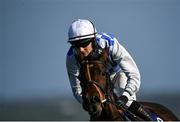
(128, 66)
(73, 72)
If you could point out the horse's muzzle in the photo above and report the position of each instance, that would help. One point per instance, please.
(95, 110)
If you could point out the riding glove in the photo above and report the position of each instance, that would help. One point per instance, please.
(122, 100)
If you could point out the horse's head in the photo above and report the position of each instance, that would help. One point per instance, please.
(94, 98)
(95, 68)
(94, 81)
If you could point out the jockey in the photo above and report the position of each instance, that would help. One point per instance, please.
(124, 73)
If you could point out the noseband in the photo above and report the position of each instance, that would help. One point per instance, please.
(102, 97)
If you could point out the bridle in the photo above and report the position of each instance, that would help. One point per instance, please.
(103, 95)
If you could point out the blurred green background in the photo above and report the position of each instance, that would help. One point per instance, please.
(67, 109)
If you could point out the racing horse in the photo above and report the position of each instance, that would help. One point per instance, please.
(98, 96)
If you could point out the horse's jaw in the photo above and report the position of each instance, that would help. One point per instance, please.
(95, 112)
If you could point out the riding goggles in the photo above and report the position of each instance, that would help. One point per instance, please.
(81, 43)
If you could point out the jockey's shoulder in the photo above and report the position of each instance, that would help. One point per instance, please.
(104, 39)
(70, 52)
(105, 34)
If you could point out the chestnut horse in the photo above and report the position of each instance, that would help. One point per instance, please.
(98, 95)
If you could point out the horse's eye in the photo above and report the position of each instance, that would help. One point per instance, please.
(95, 99)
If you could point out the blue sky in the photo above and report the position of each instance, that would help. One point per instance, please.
(33, 42)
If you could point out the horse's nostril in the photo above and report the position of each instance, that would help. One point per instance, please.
(93, 109)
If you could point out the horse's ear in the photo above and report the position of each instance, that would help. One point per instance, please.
(107, 49)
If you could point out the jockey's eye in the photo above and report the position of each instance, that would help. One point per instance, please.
(81, 43)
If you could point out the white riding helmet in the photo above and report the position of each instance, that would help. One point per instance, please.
(81, 29)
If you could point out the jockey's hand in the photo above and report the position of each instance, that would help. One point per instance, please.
(122, 100)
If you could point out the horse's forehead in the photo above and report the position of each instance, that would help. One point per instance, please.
(97, 65)
(92, 89)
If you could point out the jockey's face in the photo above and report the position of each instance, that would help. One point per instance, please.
(84, 46)
(85, 50)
